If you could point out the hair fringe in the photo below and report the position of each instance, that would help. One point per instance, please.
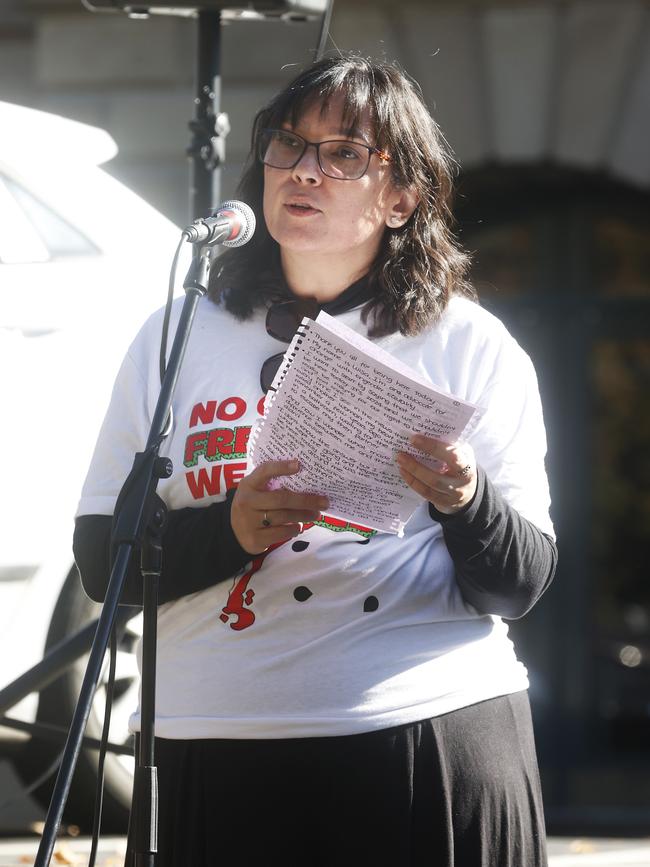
(419, 265)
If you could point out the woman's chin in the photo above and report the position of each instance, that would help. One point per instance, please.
(301, 242)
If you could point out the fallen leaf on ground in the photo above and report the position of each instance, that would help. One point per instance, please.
(64, 855)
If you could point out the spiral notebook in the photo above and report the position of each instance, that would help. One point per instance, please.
(344, 407)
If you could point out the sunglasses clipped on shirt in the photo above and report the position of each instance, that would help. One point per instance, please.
(282, 321)
(341, 159)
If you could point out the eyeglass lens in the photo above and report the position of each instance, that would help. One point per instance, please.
(269, 369)
(282, 320)
(341, 159)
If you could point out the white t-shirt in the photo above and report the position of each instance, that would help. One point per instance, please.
(342, 630)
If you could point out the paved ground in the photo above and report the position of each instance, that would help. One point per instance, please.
(564, 852)
(567, 852)
(18, 852)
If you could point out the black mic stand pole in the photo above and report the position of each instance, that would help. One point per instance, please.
(210, 126)
(140, 521)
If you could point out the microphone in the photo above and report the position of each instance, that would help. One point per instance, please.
(232, 225)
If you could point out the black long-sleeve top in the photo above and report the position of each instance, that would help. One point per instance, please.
(503, 562)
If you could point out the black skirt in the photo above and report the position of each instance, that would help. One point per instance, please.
(458, 790)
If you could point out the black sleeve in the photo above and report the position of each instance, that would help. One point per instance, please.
(199, 549)
(503, 562)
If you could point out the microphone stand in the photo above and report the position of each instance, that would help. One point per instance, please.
(139, 521)
(210, 126)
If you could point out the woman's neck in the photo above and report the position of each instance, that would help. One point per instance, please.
(322, 278)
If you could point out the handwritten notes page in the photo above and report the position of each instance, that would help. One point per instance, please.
(344, 408)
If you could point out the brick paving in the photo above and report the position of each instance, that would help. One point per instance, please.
(563, 852)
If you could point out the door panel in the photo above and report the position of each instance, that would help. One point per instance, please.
(570, 277)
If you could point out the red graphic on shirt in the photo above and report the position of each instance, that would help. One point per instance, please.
(240, 596)
(217, 444)
(338, 525)
(207, 483)
(229, 409)
(226, 449)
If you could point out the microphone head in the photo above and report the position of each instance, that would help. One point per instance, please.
(245, 217)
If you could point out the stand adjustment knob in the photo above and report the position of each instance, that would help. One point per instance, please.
(163, 468)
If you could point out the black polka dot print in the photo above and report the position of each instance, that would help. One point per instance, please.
(371, 604)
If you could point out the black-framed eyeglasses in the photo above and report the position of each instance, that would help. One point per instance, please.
(282, 320)
(341, 159)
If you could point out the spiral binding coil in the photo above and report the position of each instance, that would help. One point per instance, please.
(292, 351)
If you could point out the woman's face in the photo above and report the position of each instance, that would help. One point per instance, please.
(308, 212)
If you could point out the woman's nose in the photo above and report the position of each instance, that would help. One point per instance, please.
(307, 168)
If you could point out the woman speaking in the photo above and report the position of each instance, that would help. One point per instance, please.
(328, 694)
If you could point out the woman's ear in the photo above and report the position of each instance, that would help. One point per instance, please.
(404, 202)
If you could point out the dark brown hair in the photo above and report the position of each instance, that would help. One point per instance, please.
(419, 265)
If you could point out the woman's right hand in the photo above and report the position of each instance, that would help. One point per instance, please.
(261, 515)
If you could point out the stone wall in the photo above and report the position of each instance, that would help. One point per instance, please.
(509, 82)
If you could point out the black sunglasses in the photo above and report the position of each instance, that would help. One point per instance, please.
(282, 320)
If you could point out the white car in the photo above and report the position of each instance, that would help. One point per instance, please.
(83, 261)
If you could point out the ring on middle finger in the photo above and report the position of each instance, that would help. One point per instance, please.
(466, 470)
(265, 520)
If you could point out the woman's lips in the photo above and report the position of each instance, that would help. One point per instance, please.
(301, 210)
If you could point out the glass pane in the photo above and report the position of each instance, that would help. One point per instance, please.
(503, 260)
(621, 474)
(622, 257)
(60, 238)
(19, 241)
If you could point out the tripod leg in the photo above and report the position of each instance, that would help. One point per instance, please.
(129, 859)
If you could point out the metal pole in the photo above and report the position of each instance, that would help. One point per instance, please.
(210, 127)
(146, 476)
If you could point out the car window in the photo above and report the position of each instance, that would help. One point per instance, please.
(19, 240)
(39, 233)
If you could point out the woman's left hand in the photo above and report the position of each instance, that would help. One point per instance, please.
(450, 487)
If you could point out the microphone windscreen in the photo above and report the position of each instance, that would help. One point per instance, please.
(246, 218)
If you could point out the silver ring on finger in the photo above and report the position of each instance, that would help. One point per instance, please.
(265, 520)
(464, 473)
